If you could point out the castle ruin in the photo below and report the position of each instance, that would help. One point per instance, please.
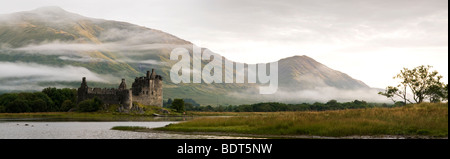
(145, 90)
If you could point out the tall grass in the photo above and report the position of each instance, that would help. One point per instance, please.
(420, 119)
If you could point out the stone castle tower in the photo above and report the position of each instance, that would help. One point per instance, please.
(145, 90)
(148, 90)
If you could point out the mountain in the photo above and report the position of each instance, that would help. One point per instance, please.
(306, 73)
(54, 43)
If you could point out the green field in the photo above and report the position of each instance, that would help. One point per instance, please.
(412, 120)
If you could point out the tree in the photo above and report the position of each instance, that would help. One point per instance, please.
(38, 105)
(7, 98)
(333, 104)
(435, 93)
(445, 92)
(40, 102)
(18, 106)
(422, 83)
(67, 105)
(392, 92)
(58, 96)
(2, 109)
(90, 105)
(178, 104)
(209, 108)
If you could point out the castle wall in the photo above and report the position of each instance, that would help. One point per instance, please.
(108, 96)
(145, 90)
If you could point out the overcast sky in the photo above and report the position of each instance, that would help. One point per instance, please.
(371, 40)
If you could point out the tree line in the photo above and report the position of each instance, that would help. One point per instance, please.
(181, 106)
(48, 100)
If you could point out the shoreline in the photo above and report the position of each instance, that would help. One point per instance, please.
(256, 136)
(95, 116)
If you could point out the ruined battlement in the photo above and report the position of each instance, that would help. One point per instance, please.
(145, 90)
(102, 91)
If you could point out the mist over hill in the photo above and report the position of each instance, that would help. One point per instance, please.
(50, 47)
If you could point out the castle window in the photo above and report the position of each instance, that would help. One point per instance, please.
(152, 92)
(147, 92)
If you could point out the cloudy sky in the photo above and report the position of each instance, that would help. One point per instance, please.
(371, 40)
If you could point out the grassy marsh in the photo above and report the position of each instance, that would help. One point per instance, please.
(424, 119)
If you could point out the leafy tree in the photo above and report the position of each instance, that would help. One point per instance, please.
(2, 109)
(360, 103)
(422, 83)
(318, 106)
(7, 98)
(229, 108)
(435, 93)
(445, 92)
(209, 108)
(40, 102)
(34, 102)
(333, 104)
(178, 104)
(18, 106)
(60, 95)
(90, 105)
(67, 105)
(38, 105)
